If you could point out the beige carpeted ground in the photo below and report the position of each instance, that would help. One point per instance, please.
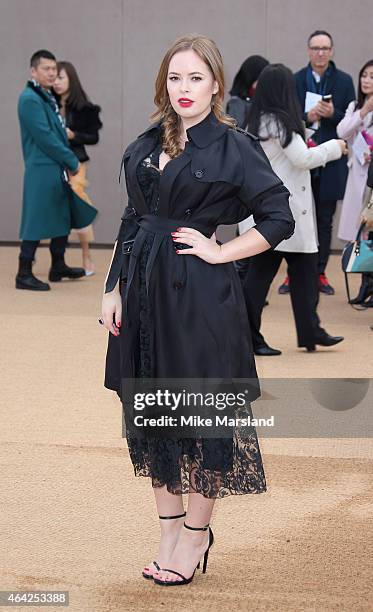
(75, 518)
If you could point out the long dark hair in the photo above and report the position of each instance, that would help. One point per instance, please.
(77, 98)
(276, 97)
(360, 95)
(247, 75)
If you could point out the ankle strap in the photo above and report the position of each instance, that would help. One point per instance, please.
(172, 517)
(196, 528)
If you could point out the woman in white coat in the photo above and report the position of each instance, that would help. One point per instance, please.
(275, 117)
(357, 128)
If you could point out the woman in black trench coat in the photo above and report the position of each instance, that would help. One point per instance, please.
(173, 302)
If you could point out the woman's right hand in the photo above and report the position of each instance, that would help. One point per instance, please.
(112, 311)
(367, 107)
(343, 146)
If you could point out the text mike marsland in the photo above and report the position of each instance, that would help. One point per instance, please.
(197, 421)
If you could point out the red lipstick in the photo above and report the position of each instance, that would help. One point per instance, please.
(185, 102)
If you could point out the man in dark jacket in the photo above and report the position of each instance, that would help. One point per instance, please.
(49, 206)
(328, 183)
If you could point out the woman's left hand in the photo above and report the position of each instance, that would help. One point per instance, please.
(205, 248)
(70, 134)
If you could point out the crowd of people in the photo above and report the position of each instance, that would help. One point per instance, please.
(305, 122)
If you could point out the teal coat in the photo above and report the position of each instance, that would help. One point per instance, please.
(50, 207)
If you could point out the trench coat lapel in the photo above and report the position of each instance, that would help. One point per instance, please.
(137, 156)
(199, 136)
(171, 170)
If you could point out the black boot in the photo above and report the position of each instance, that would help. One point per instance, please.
(366, 288)
(60, 270)
(25, 278)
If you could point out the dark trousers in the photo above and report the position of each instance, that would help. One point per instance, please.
(325, 210)
(57, 247)
(302, 271)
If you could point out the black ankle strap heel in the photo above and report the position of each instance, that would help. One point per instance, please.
(185, 580)
(211, 541)
(156, 565)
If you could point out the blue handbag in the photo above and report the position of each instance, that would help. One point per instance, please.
(357, 256)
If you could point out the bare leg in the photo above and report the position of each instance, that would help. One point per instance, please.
(87, 260)
(168, 504)
(191, 545)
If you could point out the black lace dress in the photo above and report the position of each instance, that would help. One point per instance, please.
(212, 467)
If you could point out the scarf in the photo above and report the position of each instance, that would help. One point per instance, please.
(322, 86)
(48, 97)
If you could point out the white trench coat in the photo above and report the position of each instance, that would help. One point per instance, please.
(292, 165)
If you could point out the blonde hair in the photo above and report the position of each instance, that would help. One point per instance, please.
(207, 50)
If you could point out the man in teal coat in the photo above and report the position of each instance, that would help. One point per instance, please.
(50, 207)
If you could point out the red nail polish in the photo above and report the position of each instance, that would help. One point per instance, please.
(118, 324)
(178, 229)
(177, 252)
(173, 233)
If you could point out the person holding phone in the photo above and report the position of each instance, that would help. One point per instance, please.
(322, 78)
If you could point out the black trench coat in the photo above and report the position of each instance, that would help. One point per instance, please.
(199, 322)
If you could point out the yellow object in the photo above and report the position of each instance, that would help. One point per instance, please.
(79, 183)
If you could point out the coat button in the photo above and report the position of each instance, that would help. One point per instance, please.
(178, 285)
(199, 174)
(188, 211)
(304, 212)
(303, 188)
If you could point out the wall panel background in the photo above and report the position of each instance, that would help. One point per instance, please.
(117, 45)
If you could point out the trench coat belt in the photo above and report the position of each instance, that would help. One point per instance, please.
(164, 225)
(161, 228)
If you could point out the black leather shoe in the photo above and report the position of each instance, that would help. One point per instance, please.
(60, 270)
(266, 351)
(26, 280)
(325, 340)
